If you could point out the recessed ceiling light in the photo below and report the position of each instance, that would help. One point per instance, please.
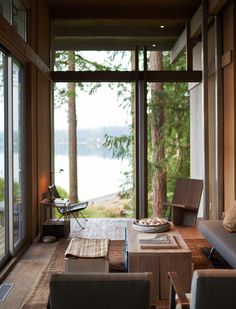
(153, 45)
(162, 26)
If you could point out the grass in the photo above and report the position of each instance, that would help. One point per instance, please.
(99, 211)
(114, 208)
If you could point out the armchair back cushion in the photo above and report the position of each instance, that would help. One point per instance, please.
(100, 291)
(213, 288)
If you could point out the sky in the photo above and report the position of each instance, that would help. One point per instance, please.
(100, 109)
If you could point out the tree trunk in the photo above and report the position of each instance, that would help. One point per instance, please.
(72, 133)
(157, 141)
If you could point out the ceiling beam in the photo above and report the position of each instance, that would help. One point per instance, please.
(120, 12)
(119, 30)
(88, 76)
(109, 76)
(111, 43)
(174, 76)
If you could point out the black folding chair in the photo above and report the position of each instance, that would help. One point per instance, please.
(64, 207)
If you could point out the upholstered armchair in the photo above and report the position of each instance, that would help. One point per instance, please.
(100, 291)
(210, 289)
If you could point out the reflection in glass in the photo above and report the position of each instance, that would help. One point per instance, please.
(2, 160)
(18, 200)
(5, 9)
(19, 18)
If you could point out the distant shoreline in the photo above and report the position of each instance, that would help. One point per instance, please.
(104, 197)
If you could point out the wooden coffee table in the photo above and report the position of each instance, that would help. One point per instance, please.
(159, 262)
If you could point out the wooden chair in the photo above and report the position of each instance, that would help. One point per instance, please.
(211, 288)
(186, 200)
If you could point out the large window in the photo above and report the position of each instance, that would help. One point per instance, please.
(19, 18)
(12, 200)
(160, 113)
(101, 153)
(94, 143)
(15, 14)
(5, 9)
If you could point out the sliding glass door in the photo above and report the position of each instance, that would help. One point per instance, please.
(3, 201)
(12, 201)
(18, 151)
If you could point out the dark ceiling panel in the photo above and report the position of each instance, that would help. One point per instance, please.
(118, 24)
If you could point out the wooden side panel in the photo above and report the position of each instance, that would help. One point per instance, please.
(180, 263)
(43, 43)
(229, 111)
(147, 263)
(38, 115)
(212, 149)
(212, 125)
(31, 152)
(44, 135)
(211, 50)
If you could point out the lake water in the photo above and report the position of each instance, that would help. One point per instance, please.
(97, 176)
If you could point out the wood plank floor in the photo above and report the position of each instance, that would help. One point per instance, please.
(25, 274)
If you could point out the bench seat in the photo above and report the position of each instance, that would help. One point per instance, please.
(223, 241)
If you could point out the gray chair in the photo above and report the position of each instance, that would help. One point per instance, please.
(64, 207)
(100, 291)
(210, 289)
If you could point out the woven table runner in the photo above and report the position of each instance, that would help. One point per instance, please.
(87, 248)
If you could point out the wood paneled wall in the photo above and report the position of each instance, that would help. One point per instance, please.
(38, 92)
(213, 181)
(229, 107)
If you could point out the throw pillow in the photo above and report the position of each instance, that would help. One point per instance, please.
(229, 221)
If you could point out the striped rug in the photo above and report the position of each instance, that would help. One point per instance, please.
(87, 248)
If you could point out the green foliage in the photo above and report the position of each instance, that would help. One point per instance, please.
(16, 190)
(2, 189)
(100, 211)
(62, 192)
(83, 63)
(174, 134)
(119, 145)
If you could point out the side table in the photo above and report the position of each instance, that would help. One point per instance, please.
(50, 226)
(159, 262)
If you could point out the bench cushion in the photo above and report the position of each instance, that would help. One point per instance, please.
(223, 241)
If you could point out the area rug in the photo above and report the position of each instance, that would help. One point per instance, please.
(216, 259)
(199, 259)
(38, 296)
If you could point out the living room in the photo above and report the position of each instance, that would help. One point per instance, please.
(32, 31)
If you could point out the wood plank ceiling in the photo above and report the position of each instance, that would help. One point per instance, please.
(119, 24)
